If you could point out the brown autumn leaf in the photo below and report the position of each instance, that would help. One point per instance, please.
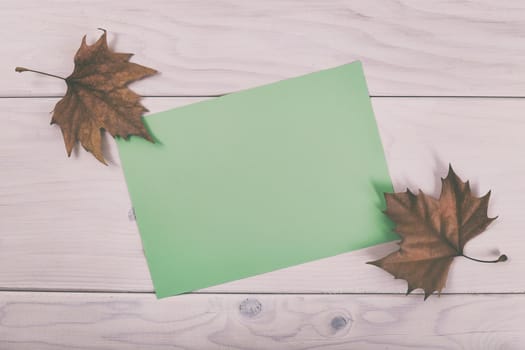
(433, 232)
(98, 98)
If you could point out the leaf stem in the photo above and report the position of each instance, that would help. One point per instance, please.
(502, 257)
(22, 69)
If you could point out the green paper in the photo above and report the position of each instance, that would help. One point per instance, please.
(259, 180)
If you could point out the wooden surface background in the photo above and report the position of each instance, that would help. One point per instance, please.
(447, 80)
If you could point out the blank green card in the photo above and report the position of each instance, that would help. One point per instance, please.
(259, 180)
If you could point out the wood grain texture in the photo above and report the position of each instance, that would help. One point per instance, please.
(204, 47)
(47, 321)
(65, 222)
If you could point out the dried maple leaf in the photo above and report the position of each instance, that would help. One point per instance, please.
(98, 98)
(434, 232)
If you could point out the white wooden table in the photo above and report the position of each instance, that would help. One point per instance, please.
(447, 80)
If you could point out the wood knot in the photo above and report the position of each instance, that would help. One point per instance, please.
(250, 307)
(339, 322)
(131, 214)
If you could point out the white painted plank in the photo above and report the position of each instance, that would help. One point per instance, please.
(60, 217)
(65, 224)
(119, 321)
(202, 47)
